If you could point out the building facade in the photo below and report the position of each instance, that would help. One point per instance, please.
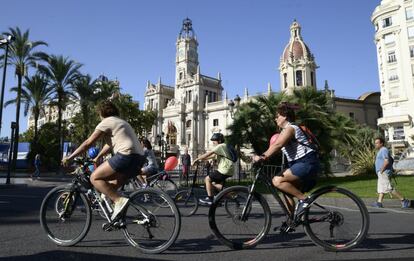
(394, 39)
(197, 106)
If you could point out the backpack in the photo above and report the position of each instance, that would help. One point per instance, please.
(391, 162)
(233, 153)
(311, 138)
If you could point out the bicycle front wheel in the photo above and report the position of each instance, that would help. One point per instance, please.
(65, 216)
(336, 220)
(187, 202)
(148, 226)
(230, 226)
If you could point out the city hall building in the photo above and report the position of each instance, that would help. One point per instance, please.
(197, 105)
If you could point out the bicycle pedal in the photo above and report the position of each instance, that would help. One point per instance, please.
(107, 227)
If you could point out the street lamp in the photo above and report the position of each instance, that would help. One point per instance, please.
(232, 105)
(231, 108)
(4, 41)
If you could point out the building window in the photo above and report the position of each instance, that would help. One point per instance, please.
(408, 13)
(412, 69)
(188, 124)
(392, 75)
(399, 133)
(285, 80)
(411, 51)
(410, 31)
(386, 22)
(298, 78)
(215, 122)
(389, 38)
(188, 139)
(391, 57)
(312, 79)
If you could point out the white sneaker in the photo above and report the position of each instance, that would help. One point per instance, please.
(119, 206)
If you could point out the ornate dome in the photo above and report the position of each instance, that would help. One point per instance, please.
(296, 48)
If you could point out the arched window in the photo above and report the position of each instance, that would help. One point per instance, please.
(299, 78)
(188, 124)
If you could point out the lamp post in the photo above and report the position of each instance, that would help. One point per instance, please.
(232, 105)
(7, 42)
(9, 162)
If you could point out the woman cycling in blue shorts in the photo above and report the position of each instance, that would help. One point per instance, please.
(303, 161)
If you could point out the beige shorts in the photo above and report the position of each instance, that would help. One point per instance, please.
(384, 183)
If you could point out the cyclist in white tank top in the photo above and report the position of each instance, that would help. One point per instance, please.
(302, 160)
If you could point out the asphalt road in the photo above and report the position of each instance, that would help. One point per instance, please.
(391, 236)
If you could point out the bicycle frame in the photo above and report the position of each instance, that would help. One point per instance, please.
(261, 177)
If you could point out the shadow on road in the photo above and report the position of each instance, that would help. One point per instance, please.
(69, 255)
(385, 241)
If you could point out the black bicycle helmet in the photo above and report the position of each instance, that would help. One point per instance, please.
(217, 137)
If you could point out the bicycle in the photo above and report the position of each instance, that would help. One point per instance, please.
(187, 200)
(160, 180)
(336, 219)
(65, 215)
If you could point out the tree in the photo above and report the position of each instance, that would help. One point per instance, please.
(141, 121)
(84, 92)
(62, 73)
(21, 55)
(254, 122)
(35, 96)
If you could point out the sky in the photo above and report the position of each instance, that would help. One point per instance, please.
(134, 41)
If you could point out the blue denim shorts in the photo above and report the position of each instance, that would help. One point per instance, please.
(150, 170)
(306, 169)
(129, 165)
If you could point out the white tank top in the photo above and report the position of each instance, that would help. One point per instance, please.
(294, 150)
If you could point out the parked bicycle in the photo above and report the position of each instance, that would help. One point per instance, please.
(240, 217)
(65, 214)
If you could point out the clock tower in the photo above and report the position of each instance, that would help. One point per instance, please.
(187, 55)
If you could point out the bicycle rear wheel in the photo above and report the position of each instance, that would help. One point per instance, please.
(149, 227)
(226, 222)
(187, 202)
(65, 216)
(336, 220)
(168, 186)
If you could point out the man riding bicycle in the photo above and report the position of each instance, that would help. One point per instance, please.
(302, 159)
(224, 170)
(121, 138)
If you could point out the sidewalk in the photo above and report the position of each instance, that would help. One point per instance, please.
(24, 179)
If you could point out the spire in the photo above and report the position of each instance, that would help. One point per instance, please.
(246, 93)
(295, 31)
(187, 29)
(326, 86)
(159, 80)
(219, 76)
(269, 88)
(148, 84)
(198, 69)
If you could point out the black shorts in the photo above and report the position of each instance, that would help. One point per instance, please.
(129, 165)
(218, 177)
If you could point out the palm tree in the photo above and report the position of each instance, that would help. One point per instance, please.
(62, 73)
(35, 96)
(21, 55)
(84, 91)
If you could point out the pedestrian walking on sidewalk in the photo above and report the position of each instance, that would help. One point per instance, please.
(383, 168)
(37, 167)
(186, 163)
